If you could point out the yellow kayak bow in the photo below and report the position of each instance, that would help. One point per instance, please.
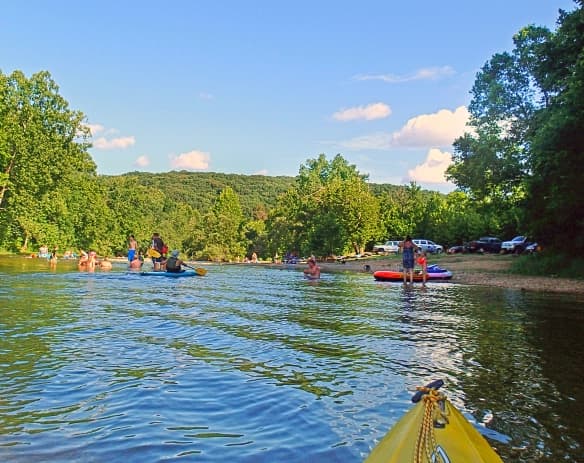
(433, 431)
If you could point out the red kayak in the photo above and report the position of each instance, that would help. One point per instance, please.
(435, 273)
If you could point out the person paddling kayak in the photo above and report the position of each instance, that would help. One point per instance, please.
(173, 263)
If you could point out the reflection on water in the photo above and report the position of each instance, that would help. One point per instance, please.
(254, 364)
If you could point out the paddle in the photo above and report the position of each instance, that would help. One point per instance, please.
(153, 253)
(199, 271)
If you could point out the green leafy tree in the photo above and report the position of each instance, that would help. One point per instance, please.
(404, 210)
(256, 237)
(355, 211)
(285, 229)
(43, 146)
(223, 228)
(331, 210)
(555, 189)
(522, 162)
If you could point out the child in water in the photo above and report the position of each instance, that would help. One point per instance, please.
(423, 262)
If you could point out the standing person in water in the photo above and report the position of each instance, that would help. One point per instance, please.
(408, 249)
(157, 245)
(132, 246)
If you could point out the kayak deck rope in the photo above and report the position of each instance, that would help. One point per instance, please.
(434, 415)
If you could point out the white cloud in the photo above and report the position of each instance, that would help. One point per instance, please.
(193, 160)
(261, 172)
(432, 169)
(432, 73)
(438, 129)
(369, 112)
(103, 143)
(95, 128)
(142, 161)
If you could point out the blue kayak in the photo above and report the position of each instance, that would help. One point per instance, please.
(184, 273)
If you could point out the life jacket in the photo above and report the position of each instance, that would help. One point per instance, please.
(172, 266)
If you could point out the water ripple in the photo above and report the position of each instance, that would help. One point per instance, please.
(251, 364)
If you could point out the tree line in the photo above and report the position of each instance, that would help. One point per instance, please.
(516, 169)
(521, 161)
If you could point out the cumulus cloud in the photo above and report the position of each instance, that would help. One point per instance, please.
(193, 160)
(108, 140)
(432, 169)
(261, 172)
(103, 143)
(427, 130)
(95, 128)
(437, 129)
(369, 112)
(432, 73)
(142, 161)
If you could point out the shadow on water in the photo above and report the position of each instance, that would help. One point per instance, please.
(255, 364)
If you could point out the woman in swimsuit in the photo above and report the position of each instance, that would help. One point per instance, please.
(408, 249)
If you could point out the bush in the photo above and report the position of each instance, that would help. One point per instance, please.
(546, 264)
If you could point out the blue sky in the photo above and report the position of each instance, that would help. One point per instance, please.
(259, 87)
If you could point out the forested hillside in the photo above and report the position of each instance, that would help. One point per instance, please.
(200, 189)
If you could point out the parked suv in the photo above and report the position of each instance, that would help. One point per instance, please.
(388, 246)
(484, 244)
(428, 246)
(517, 245)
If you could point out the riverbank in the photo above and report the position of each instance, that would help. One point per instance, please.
(470, 269)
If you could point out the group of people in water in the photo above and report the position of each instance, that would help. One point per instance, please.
(158, 252)
(89, 261)
(162, 261)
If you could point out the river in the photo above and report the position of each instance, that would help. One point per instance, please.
(255, 364)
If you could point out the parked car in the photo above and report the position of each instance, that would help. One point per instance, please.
(455, 249)
(438, 248)
(388, 246)
(484, 244)
(532, 248)
(428, 246)
(517, 245)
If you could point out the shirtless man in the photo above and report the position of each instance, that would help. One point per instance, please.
(132, 245)
(313, 270)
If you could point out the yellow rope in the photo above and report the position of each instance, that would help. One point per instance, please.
(426, 440)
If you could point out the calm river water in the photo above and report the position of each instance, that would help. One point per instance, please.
(252, 364)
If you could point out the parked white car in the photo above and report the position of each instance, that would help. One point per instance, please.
(388, 246)
(429, 246)
(438, 248)
(516, 245)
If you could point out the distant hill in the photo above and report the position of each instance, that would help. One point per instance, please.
(200, 189)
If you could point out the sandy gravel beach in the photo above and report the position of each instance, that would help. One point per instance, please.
(472, 269)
